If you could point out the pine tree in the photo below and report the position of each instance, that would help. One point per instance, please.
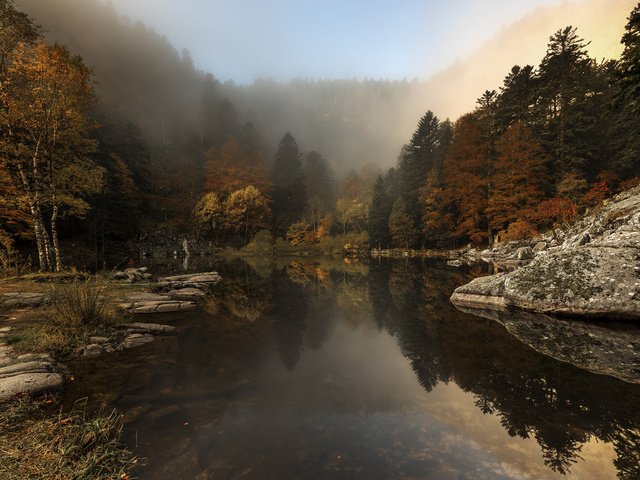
(320, 185)
(417, 160)
(562, 111)
(289, 195)
(401, 225)
(378, 220)
(629, 66)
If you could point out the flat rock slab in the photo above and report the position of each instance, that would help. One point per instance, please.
(23, 299)
(25, 367)
(145, 297)
(190, 294)
(204, 277)
(136, 340)
(152, 328)
(162, 307)
(33, 384)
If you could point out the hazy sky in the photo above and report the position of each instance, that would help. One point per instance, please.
(282, 39)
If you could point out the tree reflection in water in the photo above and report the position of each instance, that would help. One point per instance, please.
(222, 376)
(561, 406)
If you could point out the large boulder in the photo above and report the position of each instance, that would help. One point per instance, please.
(594, 273)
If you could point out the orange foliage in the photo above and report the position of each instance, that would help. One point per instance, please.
(519, 229)
(233, 167)
(465, 171)
(557, 210)
(630, 183)
(518, 179)
(596, 194)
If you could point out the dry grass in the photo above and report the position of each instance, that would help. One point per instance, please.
(38, 443)
(78, 311)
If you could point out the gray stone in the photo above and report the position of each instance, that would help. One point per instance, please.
(153, 328)
(593, 279)
(455, 263)
(539, 247)
(119, 276)
(25, 367)
(23, 299)
(136, 339)
(192, 294)
(98, 340)
(523, 253)
(92, 351)
(32, 384)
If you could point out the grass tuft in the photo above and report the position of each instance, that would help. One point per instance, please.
(78, 310)
(35, 442)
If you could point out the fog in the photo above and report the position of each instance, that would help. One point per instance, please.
(143, 78)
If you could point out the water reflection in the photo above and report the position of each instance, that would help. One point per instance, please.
(307, 369)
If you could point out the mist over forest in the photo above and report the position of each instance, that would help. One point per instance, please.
(177, 151)
(144, 79)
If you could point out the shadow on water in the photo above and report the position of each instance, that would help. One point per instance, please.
(308, 369)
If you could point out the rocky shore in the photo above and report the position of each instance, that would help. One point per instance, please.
(593, 273)
(36, 374)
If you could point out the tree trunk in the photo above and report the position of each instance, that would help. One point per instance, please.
(54, 238)
(37, 229)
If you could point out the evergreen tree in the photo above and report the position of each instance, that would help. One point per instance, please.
(563, 114)
(378, 221)
(417, 160)
(517, 96)
(320, 185)
(401, 226)
(629, 66)
(289, 195)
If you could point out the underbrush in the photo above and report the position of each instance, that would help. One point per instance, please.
(38, 442)
(78, 311)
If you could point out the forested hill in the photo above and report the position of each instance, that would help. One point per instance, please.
(142, 78)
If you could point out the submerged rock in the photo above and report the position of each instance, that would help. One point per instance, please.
(600, 278)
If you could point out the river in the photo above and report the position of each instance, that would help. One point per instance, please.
(332, 370)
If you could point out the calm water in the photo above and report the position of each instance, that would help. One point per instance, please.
(365, 371)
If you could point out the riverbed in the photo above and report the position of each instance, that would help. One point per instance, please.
(313, 369)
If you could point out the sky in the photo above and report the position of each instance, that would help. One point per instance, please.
(241, 40)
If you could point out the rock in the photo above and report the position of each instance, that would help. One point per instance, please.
(145, 297)
(455, 263)
(134, 413)
(23, 299)
(162, 307)
(98, 340)
(32, 384)
(523, 253)
(539, 247)
(119, 276)
(600, 278)
(92, 351)
(136, 339)
(132, 275)
(191, 294)
(25, 367)
(152, 328)
(35, 357)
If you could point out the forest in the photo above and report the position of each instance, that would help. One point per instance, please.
(118, 139)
